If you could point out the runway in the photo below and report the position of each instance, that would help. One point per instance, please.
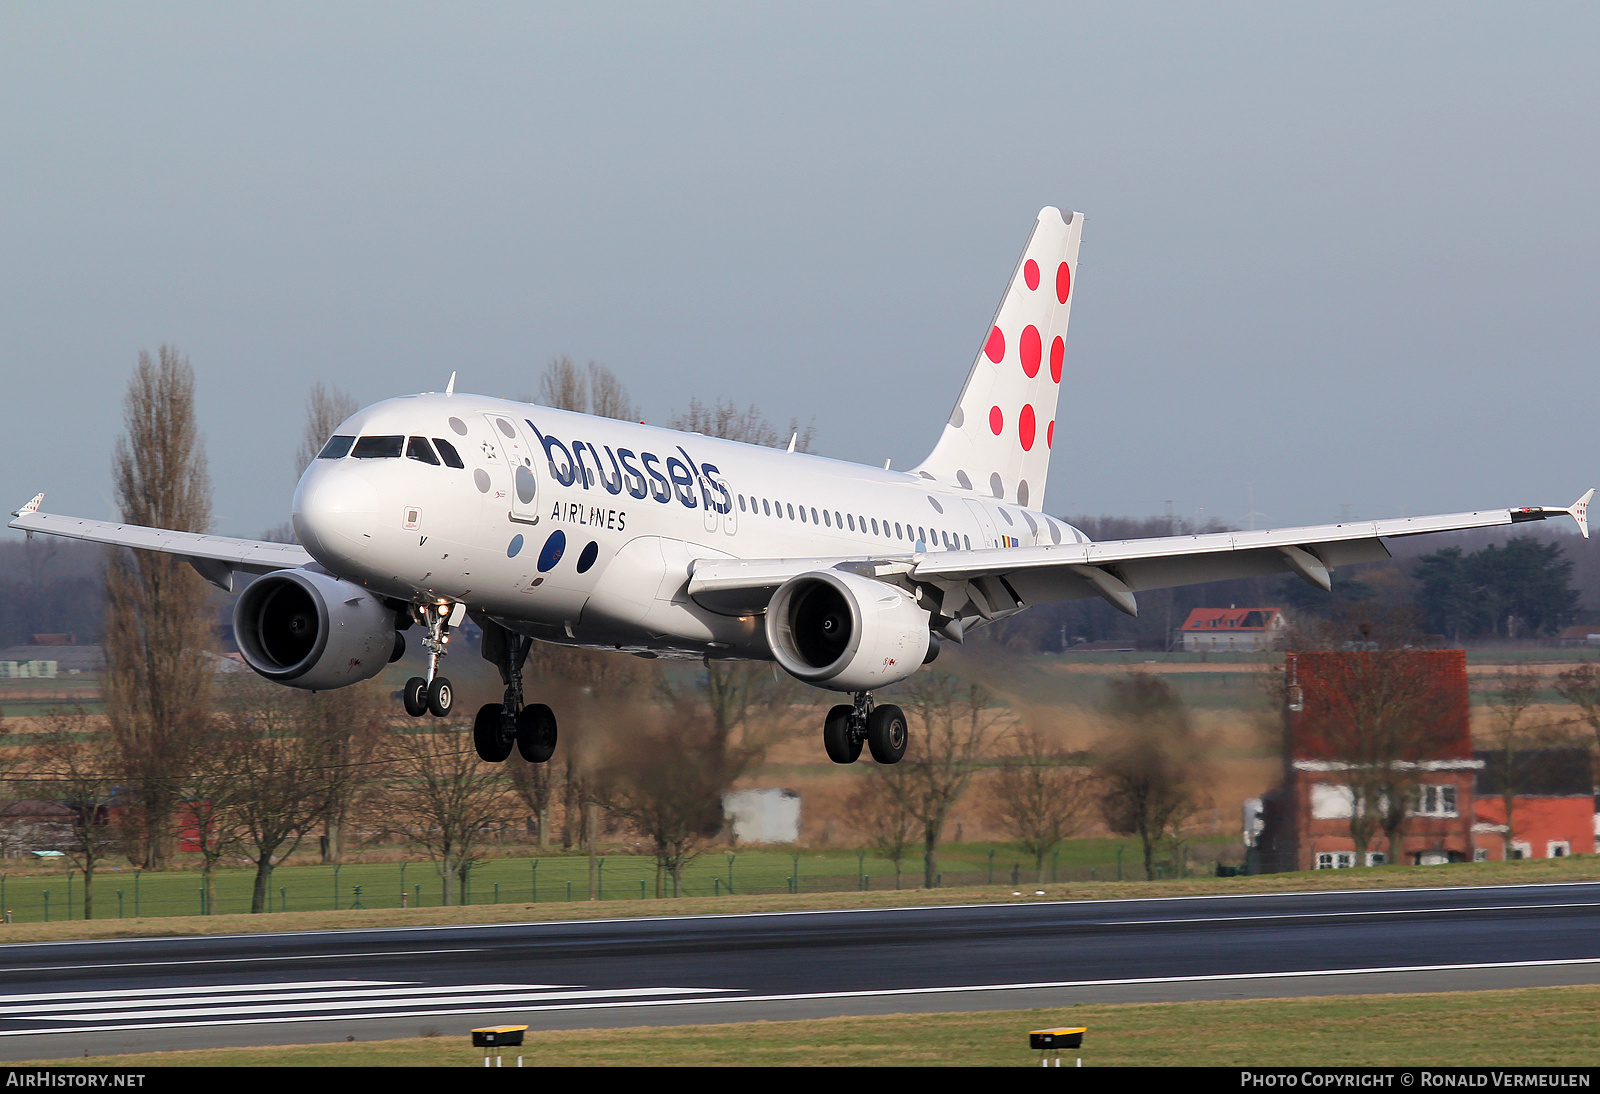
(60, 999)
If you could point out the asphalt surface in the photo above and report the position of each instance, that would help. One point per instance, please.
(62, 999)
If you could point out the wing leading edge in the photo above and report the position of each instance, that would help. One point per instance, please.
(215, 557)
(996, 582)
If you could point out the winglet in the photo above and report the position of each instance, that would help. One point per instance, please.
(1580, 512)
(33, 506)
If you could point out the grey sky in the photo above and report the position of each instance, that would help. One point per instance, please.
(1345, 254)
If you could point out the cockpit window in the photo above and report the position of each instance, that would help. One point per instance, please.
(419, 449)
(337, 448)
(447, 452)
(378, 448)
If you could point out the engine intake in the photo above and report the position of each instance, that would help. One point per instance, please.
(846, 632)
(312, 631)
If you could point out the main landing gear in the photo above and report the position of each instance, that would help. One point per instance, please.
(431, 694)
(849, 725)
(499, 725)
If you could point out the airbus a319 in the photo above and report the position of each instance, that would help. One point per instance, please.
(544, 525)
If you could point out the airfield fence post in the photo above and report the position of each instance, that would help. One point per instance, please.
(641, 888)
(569, 890)
(600, 879)
(418, 888)
(358, 903)
(716, 886)
(861, 867)
(3, 889)
(797, 871)
(336, 886)
(69, 895)
(991, 866)
(938, 880)
(535, 873)
(47, 905)
(866, 883)
(730, 875)
(119, 903)
(403, 866)
(136, 874)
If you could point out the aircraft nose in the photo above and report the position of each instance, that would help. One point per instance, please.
(335, 513)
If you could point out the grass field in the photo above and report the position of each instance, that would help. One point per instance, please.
(1522, 1027)
(1577, 868)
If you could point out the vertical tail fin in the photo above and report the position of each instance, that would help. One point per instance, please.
(998, 439)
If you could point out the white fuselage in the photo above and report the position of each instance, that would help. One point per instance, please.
(584, 530)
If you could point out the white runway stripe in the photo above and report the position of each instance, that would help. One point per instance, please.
(459, 997)
(125, 1000)
(232, 960)
(125, 993)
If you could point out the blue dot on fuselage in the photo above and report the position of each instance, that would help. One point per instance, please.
(587, 557)
(554, 548)
(516, 547)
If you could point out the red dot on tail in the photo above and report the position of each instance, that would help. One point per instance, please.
(1025, 427)
(1063, 282)
(1030, 273)
(1029, 348)
(1050, 435)
(997, 420)
(1057, 352)
(995, 347)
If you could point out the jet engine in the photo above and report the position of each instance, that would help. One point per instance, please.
(309, 630)
(846, 632)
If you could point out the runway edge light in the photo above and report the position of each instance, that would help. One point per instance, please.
(1054, 1040)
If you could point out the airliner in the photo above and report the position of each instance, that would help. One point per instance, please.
(538, 524)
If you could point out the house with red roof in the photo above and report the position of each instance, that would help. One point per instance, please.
(1247, 629)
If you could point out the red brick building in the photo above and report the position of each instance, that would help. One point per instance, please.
(1354, 720)
(1552, 805)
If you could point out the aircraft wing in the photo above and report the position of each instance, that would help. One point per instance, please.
(995, 582)
(215, 557)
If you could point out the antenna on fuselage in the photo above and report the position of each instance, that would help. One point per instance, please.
(450, 388)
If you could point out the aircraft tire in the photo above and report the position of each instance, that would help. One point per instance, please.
(842, 748)
(441, 697)
(415, 696)
(887, 734)
(487, 737)
(536, 733)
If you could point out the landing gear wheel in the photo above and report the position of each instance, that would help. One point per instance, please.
(536, 733)
(886, 733)
(415, 696)
(487, 735)
(842, 745)
(441, 697)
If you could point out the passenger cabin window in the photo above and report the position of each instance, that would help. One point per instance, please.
(378, 448)
(337, 448)
(766, 510)
(448, 453)
(420, 450)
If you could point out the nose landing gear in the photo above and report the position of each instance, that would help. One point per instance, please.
(850, 725)
(431, 694)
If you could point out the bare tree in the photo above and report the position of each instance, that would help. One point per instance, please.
(1152, 766)
(1580, 686)
(343, 731)
(535, 786)
(443, 798)
(208, 795)
(326, 407)
(158, 618)
(879, 809)
(668, 784)
(77, 769)
(564, 386)
(277, 788)
(1509, 703)
(952, 718)
(1040, 794)
(607, 397)
(724, 419)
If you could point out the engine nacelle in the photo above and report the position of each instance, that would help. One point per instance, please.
(846, 632)
(313, 631)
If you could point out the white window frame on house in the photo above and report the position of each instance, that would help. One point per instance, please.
(1480, 854)
(1377, 858)
(1435, 800)
(1521, 849)
(1329, 801)
(1335, 860)
(1557, 848)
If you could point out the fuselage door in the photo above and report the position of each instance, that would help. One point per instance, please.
(985, 522)
(519, 474)
(730, 517)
